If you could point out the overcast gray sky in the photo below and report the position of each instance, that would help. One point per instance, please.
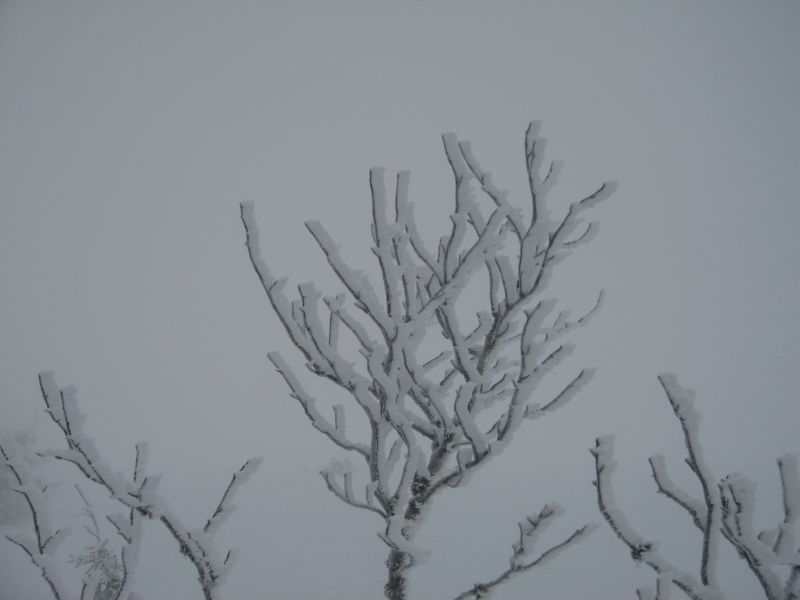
(130, 131)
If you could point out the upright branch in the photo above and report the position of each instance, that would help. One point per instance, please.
(436, 411)
(642, 550)
(724, 511)
(139, 494)
(661, 591)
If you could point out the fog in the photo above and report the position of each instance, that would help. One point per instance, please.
(132, 131)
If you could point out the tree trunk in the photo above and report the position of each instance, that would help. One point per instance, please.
(398, 564)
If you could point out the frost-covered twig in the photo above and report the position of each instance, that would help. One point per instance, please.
(641, 549)
(529, 530)
(434, 414)
(738, 502)
(108, 575)
(661, 592)
(345, 492)
(225, 506)
(682, 402)
(46, 537)
(724, 512)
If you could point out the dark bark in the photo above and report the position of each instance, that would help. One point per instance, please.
(398, 564)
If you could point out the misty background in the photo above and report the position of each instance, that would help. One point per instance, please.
(130, 132)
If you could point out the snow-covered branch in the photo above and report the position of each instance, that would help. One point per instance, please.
(108, 574)
(336, 430)
(46, 537)
(530, 529)
(661, 591)
(226, 506)
(682, 402)
(641, 549)
(725, 511)
(139, 495)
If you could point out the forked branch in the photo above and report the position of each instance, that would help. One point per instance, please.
(529, 530)
(139, 495)
(724, 511)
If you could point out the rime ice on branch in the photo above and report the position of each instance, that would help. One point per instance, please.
(435, 416)
(724, 511)
(46, 537)
(138, 496)
(108, 576)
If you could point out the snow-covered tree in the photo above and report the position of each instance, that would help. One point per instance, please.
(438, 406)
(107, 574)
(724, 511)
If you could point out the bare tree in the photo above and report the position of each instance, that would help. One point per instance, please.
(724, 512)
(437, 413)
(108, 574)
